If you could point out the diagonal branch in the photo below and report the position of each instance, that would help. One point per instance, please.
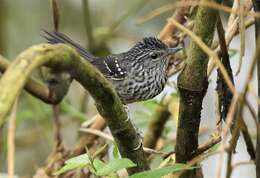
(64, 58)
(224, 94)
(168, 31)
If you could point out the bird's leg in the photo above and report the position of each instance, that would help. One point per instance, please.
(139, 133)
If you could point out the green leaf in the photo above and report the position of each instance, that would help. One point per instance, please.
(69, 167)
(214, 148)
(74, 163)
(158, 173)
(98, 164)
(116, 153)
(81, 159)
(114, 166)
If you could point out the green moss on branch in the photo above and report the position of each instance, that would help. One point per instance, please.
(192, 84)
(64, 58)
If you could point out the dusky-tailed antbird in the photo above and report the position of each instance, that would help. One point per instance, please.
(138, 74)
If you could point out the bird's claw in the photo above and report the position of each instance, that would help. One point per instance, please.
(139, 145)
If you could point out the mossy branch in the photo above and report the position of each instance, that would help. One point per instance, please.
(192, 84)
(64, 58)
(35, 87)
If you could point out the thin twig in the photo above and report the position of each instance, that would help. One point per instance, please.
(248, 140)
(88, 25)
(232, 30)
(168, 31)
(251, 111)
(98, 133)
(229, 121)
(229, 164)
(239, 110)
(209, 144)
(224, 94)
(242, 36)
(88, 139)
(201, 148)
(232, 16)
(55, 14)
(209, 52)
(57, 126)
(110, 138)
(55, 108)
(196, 160)
(242, 163)
(209, 4)
(11, 141)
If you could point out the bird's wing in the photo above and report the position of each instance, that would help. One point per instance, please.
(57, 37)
(111, 67)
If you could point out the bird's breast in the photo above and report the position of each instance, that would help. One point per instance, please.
(141, 86)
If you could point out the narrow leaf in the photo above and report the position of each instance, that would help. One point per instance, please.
(116, 153)
(98, 164)
(69, 167)
(114, 166)
(74, 163)
(158, 173)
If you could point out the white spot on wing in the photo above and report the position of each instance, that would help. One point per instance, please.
(107, 67)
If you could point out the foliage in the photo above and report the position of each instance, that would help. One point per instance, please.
(96, 166)
(158, 173)
(101, 168)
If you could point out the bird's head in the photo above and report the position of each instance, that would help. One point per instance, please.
(153, 52)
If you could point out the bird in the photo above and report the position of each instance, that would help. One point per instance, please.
(138, 74)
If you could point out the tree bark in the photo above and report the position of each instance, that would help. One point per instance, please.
(192, 84)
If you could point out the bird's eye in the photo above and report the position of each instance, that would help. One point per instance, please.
(154, 55)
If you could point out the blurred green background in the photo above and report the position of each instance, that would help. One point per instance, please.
(21, 23)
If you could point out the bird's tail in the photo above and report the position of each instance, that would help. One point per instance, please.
(57, 37)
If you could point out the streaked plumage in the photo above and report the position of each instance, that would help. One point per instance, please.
(137, 75)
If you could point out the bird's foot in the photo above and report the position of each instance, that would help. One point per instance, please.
(140, 144)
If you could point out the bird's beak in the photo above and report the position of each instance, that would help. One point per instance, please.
(171, 51)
